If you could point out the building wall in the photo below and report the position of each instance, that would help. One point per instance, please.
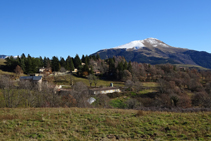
(107, 91)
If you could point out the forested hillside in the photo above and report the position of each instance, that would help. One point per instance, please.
(142, 85)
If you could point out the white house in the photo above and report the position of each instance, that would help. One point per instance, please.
(106, 90)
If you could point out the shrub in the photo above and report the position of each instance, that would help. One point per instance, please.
(140, 113)
(117, 103)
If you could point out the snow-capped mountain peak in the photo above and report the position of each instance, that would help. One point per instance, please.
(154, 42)
(134, 44)
(137, 44)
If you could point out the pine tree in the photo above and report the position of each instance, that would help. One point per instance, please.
(41, 62)
(45, 62)
(62, 62)
(35, 64)
(83, 59)
(22, 65)
(94, 57)
(98, 56)
(67, 61)
(71, 64)
(129, 67)
(77, 61)
(55, 65)
(87, 59)
(120, 69)
(120, 66)
(23, 56)
(29, 68)
(111, 65)
(18, 60)
(48, 62)
(125, 65)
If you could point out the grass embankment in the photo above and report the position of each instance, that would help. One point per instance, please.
(65, 80)
(191, 66)
(102, 124)
(2, 63)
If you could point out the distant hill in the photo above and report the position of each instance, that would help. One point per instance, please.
(3, 56)
(154, 51)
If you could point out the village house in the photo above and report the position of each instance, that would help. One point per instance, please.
(36, 79)
(106, 90)
(75, 71)
(182, 68)
(45, 70)
(96, 72)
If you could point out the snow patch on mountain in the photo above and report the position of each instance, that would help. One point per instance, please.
(134, 44)
(154, 42)
(137, 44)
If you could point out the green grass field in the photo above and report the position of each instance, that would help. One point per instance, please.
(77, 124)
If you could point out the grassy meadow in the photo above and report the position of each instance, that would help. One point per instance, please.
(77, 124)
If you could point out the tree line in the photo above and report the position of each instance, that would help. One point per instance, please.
(30, 64)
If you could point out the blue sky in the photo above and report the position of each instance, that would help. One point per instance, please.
(69, 27)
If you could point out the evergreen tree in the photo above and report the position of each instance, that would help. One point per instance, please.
(71, 64)
(83, 59)
(94, 57)
(41, 62)
(35, 64)
(125, 65)
(85, 68)
(48, 62)
(62, 62)
(77, 61)
(87, 59)
(111, 65)
(98, 56)
(67, 67)
(129, 67)
(11, 63)
(120, 66)
(29, 68)
(22, 65)
(55, 65)
(23, 56)
(45, 62)
(18, 60)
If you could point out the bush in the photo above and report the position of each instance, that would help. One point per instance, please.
(117, 103)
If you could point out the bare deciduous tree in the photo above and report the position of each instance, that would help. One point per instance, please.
(18, 70)
(126, 75)
(91, 79)
(95, 80)
(81, 93)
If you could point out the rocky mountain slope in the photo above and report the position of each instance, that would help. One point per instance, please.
(154, 51)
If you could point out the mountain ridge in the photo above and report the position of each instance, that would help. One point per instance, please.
(154, 51)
